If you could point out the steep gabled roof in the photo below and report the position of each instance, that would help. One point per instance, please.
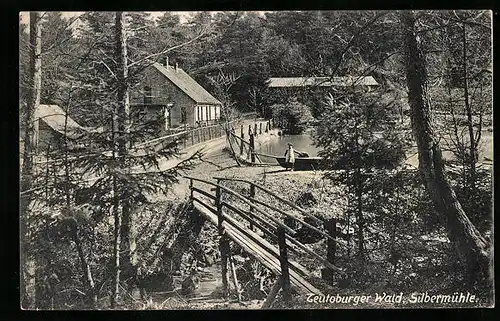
(187, 84)
(346, 81)
(55, 117)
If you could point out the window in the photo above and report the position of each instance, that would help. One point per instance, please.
(147, 95)
(183, 114)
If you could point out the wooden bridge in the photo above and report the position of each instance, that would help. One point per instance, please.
(264, 235)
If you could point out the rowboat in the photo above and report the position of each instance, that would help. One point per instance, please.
(301, 163)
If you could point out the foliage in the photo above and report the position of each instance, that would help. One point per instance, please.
(293, 117)
(356, 132)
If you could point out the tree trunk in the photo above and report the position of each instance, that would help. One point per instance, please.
(472, 146)
(359, 214)
(116, 247)
(91, 295)
(27, 174)
(358, 188)
(128, 227)
(470, 245)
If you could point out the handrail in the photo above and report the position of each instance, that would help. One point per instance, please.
(161, 138)
(200, 180)
(244, 199)
(185, 132)
(253, 220)
(312, 227)
(304, 212)
(316, 255)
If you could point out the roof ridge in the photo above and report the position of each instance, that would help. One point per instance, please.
(181, 79)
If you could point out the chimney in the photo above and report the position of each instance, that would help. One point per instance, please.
(166, 62)
(176, 67)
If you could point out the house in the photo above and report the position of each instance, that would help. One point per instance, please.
(302, 82)
(168, 98)
(51, 125)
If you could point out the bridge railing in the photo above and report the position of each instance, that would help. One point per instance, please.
(274, 228)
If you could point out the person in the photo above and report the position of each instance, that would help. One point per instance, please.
(290, 157)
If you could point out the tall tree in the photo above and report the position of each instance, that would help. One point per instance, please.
(27, 173)
(470, 245)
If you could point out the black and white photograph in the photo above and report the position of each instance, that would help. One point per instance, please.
(235, 160)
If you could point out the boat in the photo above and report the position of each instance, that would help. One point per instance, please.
(302, 163)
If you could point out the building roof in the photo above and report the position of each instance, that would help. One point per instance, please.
(187, 84)
(54, 116)
(322, 81)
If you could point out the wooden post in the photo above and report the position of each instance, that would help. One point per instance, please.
(192, 137)
(249, 130)
(285, 275)
(217, 195)
(267, 127)
(191, 187)
(223, 241)
(331, 247)
(242, 135)
(260, 128)
(252, 148)
(185, 136)
(255, 129)
(235, 278)
(252, 195)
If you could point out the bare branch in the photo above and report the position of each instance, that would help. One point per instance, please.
(155, 55)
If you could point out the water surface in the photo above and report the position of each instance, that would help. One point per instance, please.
(279, 144)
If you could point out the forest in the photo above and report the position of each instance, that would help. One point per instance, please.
(421, 225)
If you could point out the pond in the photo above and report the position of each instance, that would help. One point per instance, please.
(277, 146)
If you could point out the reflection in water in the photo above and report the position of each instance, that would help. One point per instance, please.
(277, 146)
